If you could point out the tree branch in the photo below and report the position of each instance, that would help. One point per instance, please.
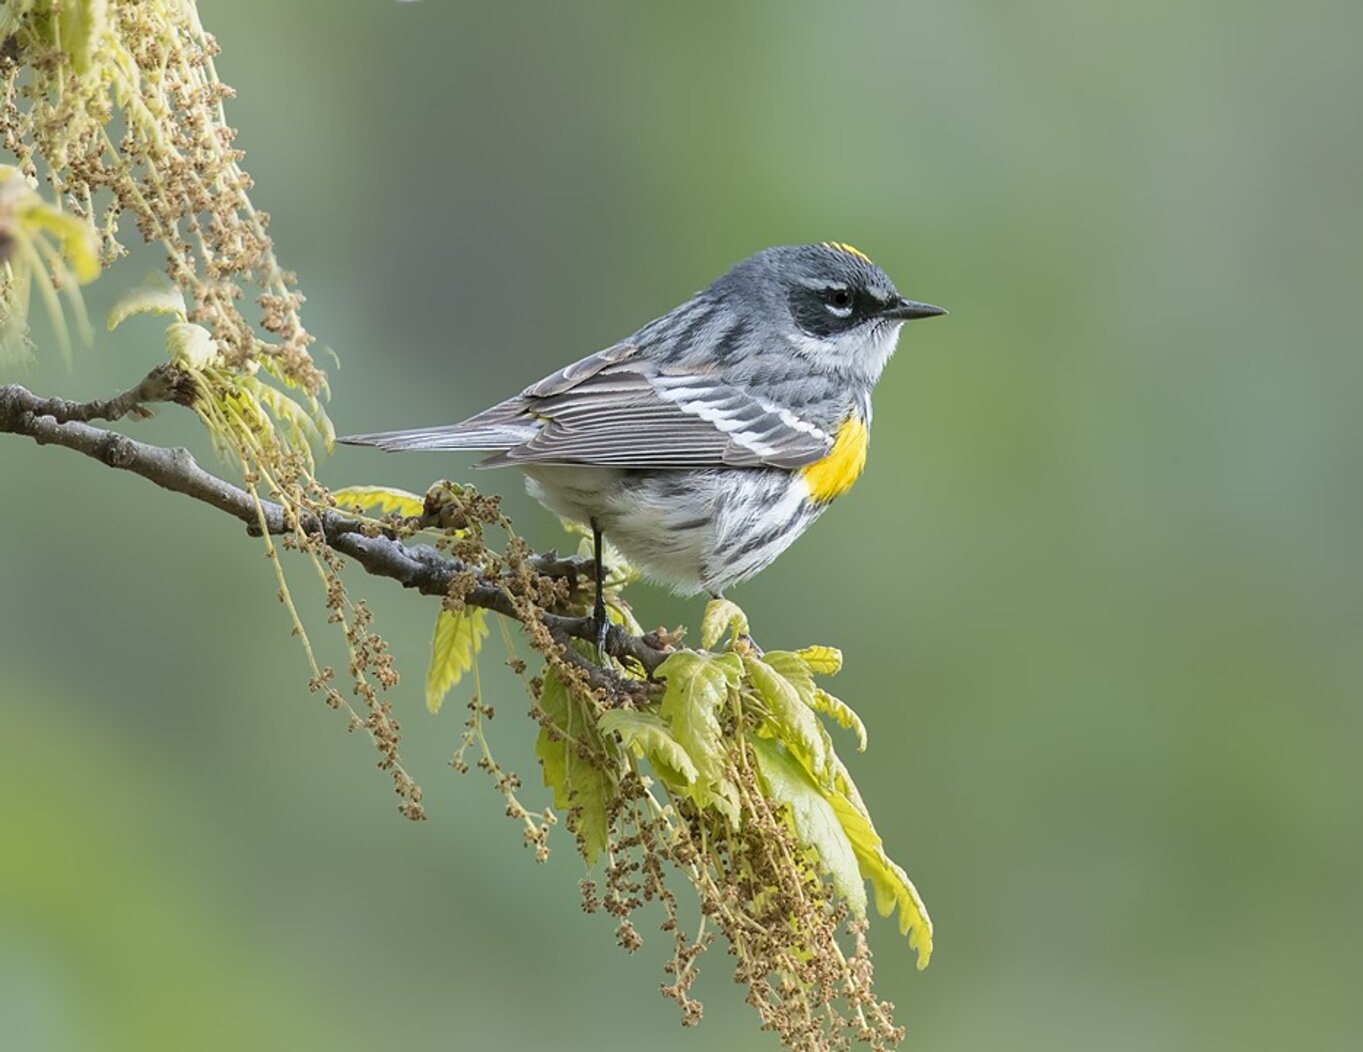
(165, 383)
(62, 423)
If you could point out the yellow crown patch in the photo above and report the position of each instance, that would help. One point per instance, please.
(842, 246)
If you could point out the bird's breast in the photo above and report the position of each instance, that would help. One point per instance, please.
(833, 475)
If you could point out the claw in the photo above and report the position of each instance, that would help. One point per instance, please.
(603, 628)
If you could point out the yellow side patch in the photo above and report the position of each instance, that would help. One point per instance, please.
(834, 474)
(842, 246)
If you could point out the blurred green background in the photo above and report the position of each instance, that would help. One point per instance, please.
(1100, 590)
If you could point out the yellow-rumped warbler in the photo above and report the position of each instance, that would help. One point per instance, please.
(705, 443)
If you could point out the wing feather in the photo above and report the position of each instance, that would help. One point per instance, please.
(616, 409)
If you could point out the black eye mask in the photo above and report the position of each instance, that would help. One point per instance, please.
(809, 308)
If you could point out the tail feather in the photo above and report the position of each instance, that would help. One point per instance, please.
(450, 436)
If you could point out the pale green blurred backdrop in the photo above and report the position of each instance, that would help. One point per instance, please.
(1099, 590)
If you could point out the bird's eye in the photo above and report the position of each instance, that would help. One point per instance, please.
(839, 301)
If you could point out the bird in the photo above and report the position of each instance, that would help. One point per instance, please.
(705, 443)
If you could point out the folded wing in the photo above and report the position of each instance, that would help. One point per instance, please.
(618, 410)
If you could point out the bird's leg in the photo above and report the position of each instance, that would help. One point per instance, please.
(603, 624)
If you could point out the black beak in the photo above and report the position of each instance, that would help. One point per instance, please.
(907, 310)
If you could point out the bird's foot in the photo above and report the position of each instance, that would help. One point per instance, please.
(602, 628)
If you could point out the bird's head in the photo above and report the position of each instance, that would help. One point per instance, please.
(829, 301)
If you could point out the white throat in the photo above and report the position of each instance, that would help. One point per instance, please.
(865, 354)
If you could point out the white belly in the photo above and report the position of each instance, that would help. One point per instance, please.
(692, 530)
(664, 530)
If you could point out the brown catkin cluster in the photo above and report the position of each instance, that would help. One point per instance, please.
(173, 169)
(118, 106)
(759, 889)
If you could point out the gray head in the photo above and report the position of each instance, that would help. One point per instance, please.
(827, 303)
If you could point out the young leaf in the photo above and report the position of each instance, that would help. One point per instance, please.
(75, 237)
(148, 299)
(814, 818)
(46, 251)
(579, 785)
(192, 344)
(792, 718)
(80, 26)
(842, 714)
(721, 616)
(284, 409)
(822, 661)
(592, 791)
(842, 782)
(890, 883)
(552, 749)
(798, 668)
(697, 685)
(796, 671)
(383, 498)
(457, 640)
(649, 737)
